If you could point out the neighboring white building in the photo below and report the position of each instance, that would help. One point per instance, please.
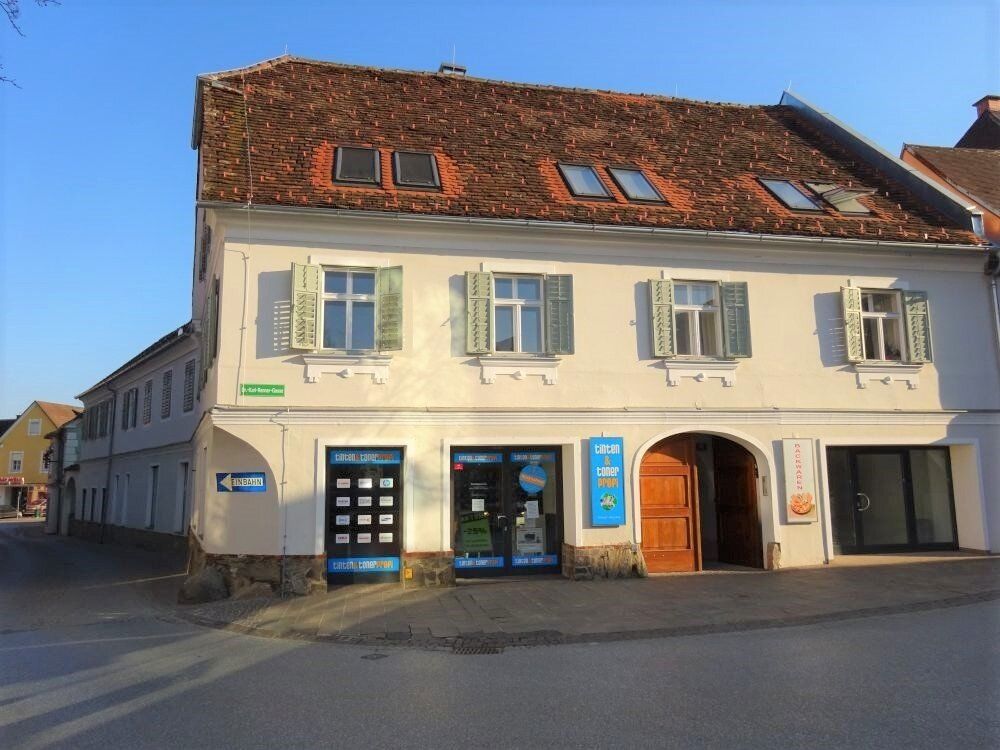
(135, 470)
(465, 327)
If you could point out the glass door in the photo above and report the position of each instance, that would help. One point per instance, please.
(891, 499)
(507, 515)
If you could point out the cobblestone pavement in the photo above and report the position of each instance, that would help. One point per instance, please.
(487, 617)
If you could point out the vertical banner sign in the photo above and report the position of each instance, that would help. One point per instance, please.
(607, 481)
(800, 480)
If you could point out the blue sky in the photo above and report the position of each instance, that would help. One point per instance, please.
(97, 176)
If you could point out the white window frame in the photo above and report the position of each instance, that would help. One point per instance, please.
(694, 331)
(518, 304)
(350, 298)
(34, 427)
(17, 456)
(895, 317)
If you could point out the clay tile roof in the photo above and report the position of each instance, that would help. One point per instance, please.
(973, 171)
(59, 414)
(497, 145)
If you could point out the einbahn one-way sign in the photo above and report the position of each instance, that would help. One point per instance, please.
(241, 481)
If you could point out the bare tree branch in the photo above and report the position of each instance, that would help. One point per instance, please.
(12, 9)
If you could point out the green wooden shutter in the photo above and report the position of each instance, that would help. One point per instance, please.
(389, 296)
(305, 306)
(207, 327)
(916, 314)
(559, 314)
(735, 319)
(851, 298)
(478, 311)
(661, 317)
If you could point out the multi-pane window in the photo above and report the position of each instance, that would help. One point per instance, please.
(583, 181)
(166, 387)
(34, 427)
(189, 373)
(882, 326)
(518, 314)
(16, 461)
(130, 408)
(357, 165)
(349, 309)
(635, 184)
(147, 402)
(103, 417)
(696, 319)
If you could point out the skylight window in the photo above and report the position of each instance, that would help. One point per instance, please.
(635, 184)
(415, 169)
(583, 181)
(357, 165)
(844, 199)
(790, 195)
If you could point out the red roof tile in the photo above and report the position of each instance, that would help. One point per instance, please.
(497, 145)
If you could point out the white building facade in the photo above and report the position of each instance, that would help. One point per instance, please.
(416, 396)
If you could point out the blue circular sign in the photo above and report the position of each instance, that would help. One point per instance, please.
(533, 479)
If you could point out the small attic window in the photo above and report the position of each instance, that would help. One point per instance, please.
(790, 195)
(416, 169)
(357, 165)
(635, 184)
(844, 199)
(583, 181)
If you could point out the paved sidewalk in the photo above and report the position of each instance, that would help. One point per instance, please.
(485, 617)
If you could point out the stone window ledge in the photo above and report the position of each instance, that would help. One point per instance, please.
(701, 370)
(347, 366)
(519, 367)
(886, 373)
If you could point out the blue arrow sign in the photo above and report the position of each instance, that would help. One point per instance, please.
(241, 481)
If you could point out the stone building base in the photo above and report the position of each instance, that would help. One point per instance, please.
(421, 569)
(246, 575)
(604, 561)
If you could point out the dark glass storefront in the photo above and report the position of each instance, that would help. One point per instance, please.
(891, 499)
(507, 510)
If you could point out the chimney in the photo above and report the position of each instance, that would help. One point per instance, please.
(452, 69)
(989, 103)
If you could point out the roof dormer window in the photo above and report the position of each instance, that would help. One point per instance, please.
(357, 165)
(583, 181)
(634, 183)
(416, 169)
(790, 195)
(844, 199)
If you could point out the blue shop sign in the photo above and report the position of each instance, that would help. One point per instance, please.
(479, 562)
(534, 561)
(241, 481)
(478, 458)
(362, 565)
(607, 481)
(365, 457)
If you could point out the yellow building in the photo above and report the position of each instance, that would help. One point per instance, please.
(23, 471)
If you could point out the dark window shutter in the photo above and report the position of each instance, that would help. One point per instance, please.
(736, 319)
(916, 314)
(559, 314)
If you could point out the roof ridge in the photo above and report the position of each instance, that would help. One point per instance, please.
(280, 59)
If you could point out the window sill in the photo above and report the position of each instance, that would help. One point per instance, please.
(887, 372)
(347, 366)
(701, 370)
(519, 367)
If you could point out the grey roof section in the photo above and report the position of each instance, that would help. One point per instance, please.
(952, 205)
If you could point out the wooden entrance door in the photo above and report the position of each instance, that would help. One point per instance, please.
(736, 506)
(668, 487)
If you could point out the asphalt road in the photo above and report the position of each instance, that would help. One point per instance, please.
(91, 657)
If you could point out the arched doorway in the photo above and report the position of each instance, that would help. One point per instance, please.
(698, 499)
